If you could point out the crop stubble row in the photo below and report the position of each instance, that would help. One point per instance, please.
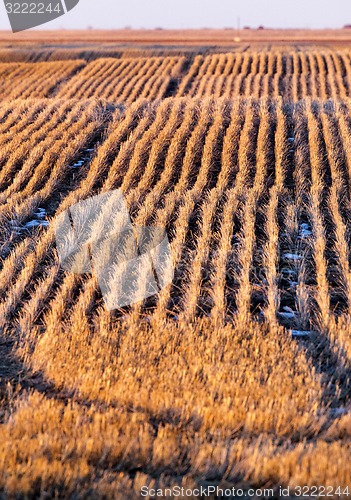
(222, 177)
(292, 75)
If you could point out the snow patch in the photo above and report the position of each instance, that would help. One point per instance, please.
(292, 256)
(288, 313)
(80, 163)
(339, 412)
(36, 223)
(40, 213)
(289, 273)
(300, 334)
(304, 231)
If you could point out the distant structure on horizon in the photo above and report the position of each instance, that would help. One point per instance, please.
(259, 28)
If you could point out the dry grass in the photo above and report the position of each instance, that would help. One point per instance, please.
(35, 80)
(293, 75)
(211, 381)
(125, 79)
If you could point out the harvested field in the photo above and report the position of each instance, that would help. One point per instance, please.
(238, 373)
(32, 80)
(125, 79)
(293, 75)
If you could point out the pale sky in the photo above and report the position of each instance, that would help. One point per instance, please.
(114, 14)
